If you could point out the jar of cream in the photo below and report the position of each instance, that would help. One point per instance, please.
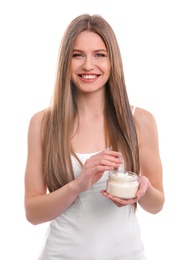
(122, 184)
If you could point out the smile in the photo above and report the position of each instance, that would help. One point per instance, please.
(89, 76)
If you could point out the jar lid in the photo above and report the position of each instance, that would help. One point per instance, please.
(123, 175)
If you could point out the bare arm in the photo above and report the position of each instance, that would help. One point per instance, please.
(152, 199)
(150, 195)
(41, 206)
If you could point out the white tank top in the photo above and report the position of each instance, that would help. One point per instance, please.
(93, 228)
(133, 110)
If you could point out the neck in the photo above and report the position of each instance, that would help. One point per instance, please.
(90, 104)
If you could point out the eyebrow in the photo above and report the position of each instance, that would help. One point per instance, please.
(94, 51)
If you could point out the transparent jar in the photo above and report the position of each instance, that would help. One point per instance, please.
(122, 184)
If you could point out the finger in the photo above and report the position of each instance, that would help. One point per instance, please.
(119, 201)
(111, 155)
(92, 167)
(117, 204)
(105, 160)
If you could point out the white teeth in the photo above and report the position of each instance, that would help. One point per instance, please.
(89, 76)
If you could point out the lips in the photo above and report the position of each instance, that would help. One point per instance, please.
(88, 76)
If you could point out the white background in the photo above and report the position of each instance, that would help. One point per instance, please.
(151, 38)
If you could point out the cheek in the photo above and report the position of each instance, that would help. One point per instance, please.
(75, 65)
(73, 71)
(73, 79)
(106, 69)
(72, 67)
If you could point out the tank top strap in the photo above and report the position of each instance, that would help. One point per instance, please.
(133, 110)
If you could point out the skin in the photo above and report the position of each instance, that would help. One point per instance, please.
(90, 71)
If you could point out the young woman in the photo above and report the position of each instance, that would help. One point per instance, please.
(69, 153)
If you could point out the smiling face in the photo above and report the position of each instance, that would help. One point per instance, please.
(90, 65)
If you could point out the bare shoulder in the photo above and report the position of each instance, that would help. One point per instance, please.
(144, 117)
(145, 124)
(37, 118)
(36, 122)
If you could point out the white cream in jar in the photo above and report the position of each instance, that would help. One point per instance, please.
(122, 184)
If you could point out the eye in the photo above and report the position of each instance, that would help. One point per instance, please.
(77, 55)
(100, 55)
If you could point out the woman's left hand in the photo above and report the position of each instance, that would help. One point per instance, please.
(143, 185)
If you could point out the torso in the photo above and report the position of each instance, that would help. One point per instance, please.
(90, 136)
(93, 228)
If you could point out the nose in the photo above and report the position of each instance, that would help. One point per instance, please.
(88, 64)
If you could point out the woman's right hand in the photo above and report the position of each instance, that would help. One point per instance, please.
(95, 167)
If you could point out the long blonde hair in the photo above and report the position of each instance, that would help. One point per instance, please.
(59, 117)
